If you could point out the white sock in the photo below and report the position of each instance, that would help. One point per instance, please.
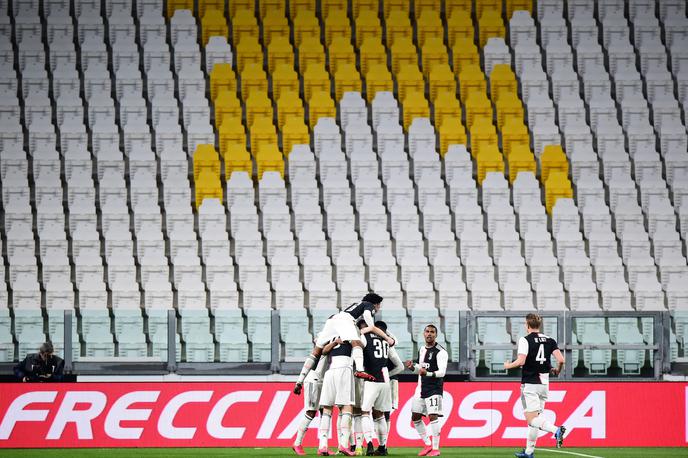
(368, 428)
(357, 356)
(324, 429)
(307, 366)
(303, 427)
(532, 438)
(420, 427)
(435, 431)
(339, 423)
(344, 426)
(540, 423)
(358, 430)
(382, 430)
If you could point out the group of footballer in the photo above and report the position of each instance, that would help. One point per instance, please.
(354, 365)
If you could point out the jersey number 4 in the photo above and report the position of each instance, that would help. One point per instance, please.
(381, 348)
(540, 357)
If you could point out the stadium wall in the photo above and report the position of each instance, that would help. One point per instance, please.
(251, 414)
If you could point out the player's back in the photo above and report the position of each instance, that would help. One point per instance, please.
(356, 309)
(376, 357)
(538, 349)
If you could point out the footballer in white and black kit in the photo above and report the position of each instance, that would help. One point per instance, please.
(534, 355)
(431, 367)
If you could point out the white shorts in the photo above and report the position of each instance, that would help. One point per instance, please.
(394, 387)
(378, 396)
(427, 406)
(338, 387)
(341, 325)
(311, 395)
(533, 397)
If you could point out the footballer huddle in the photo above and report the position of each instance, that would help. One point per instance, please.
(353, 367)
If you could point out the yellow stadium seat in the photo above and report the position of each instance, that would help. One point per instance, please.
(258, 104)
(305, 24)
(231, 131)
(490, 25)
(404, 53)
(460, 25)
(294, 132)
(244, 24)
(213, 23)
(508, 106)
(315, 79)
(207, 186)
(269, 159)
(205, 158)
(451, 6)
(389, 7)
(297, 7)
(553, 159)
(311, 52)
(289, 105)
(204, 5)
(320, 105)
(471, 80)
(222, 77)
(429, 24)
(483, 135)
(557, 186)
(478, 106)
(248, 51)
(464, 54)
(514, 133)
(346, 79)
(262, 132)
(502, 80)
(398, 25)
(414, 106)
(280, 52)
(367, 26)
(441, 79)
(515, 5)
(409, 79)
(421, 6)
(174, 5)
(521, 160)
(452, 132)
(253, 78)
(340, 52)
(235, 5)
(237, 159)
(226, 105)
(489, 160)
(327, 6)
(372, 52)
(284, 78)
(358, 5)
(275, 24)
(433, 53)
(378, 79)
(493, 6)
(446, 105)
(337, 25)
(266, 7)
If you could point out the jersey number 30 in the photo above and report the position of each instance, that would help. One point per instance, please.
(540, 357)
(381, 348)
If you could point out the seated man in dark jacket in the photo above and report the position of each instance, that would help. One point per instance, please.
(41, 367)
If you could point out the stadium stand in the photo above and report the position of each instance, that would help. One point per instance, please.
(226, 162)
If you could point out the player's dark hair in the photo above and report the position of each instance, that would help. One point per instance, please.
(534, 321)
(432, 326)
(372, 298)
(47, 347)
(382, 325)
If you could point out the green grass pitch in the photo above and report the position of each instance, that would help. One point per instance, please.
(482, 452)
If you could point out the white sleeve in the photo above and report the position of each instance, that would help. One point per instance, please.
(398, 364)
(522, 346)
(363, 341)
(368, 318)
(321, 367)
(442, 360)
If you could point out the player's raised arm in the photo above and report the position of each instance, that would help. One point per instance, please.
(442, 360)
(330, 346)
(396, 360)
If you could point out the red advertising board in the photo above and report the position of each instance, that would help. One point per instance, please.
(266, 414)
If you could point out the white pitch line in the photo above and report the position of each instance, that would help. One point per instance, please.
(567, 453)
